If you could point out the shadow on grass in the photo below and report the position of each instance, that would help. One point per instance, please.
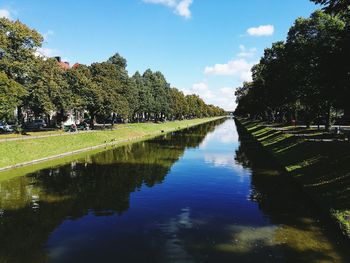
(286, 205)
(322, 167)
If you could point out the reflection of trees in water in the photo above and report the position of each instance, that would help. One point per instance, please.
(32, 206)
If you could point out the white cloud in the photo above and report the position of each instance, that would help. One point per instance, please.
(224, 97)
(264, 30)
(246, 52)
(47, 35)
(47, 52)
(183, 8)
(4, 13)
(227, 98)
(180, 7)
(239, 68)
(235, 67)
(201, 89)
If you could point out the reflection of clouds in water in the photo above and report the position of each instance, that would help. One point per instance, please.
(184, 218)
(225, 133)
(173, 246)
(59, 249)
(228, 161)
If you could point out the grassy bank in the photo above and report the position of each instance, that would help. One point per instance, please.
(322, 168)
(21, 151)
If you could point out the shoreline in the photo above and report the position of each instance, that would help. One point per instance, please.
(99, 140)
(290, 152)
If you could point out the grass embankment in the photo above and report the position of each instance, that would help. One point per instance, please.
(21, 151)
(322, 168)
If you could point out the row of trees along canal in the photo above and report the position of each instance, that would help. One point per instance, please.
(307, 77)
(31, 83)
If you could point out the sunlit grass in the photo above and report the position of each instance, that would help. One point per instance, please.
(14, 152)
(344, 219)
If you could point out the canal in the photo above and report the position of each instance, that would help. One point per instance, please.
(205, 194)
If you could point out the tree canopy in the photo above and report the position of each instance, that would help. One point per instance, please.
(101, 91)
(305, 78)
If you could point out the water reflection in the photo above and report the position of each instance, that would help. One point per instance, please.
(33, 206)
(199, 195)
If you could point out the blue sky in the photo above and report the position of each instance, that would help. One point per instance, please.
(205, 47)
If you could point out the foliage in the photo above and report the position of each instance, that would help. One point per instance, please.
(334, 6)
(40, 86)
(10, 94)
(304, 78)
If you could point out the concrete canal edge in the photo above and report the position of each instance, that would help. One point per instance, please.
(343, 229)
(104, 145)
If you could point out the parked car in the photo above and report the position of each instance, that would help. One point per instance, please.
(4, 127)
(36, 125)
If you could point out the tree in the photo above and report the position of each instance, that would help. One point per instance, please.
(314, 43)
(89, 94)
(10, 96)
(341, 8)
(144, 95)
(159, 88)
(334, 6)
(48, 89)
(105, 76)
(37, 85)
(179, 107)
(20, 44)
(128, 87)
(303, 75)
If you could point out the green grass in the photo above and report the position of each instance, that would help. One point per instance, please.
(16, 152)
(322, 168)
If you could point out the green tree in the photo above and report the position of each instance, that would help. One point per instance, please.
(334, 6)
(20, 44)
(315, 47)
(105, 76)
(48, 89)
(179, 107)
(127, 88)
(10, 96)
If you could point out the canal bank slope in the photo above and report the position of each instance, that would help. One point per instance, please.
(321, 167)
(31, 151)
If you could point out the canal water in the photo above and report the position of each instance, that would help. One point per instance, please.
(205, 194)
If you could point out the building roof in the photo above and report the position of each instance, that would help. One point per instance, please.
(63, 65)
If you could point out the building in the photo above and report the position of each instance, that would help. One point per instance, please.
(62, 64)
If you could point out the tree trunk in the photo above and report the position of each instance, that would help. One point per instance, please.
(48, 120)
(347, 115)
(20, 115)
(113, 119)
(92, 121)
(328, 118)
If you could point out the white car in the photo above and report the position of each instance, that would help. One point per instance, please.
(5, 127)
